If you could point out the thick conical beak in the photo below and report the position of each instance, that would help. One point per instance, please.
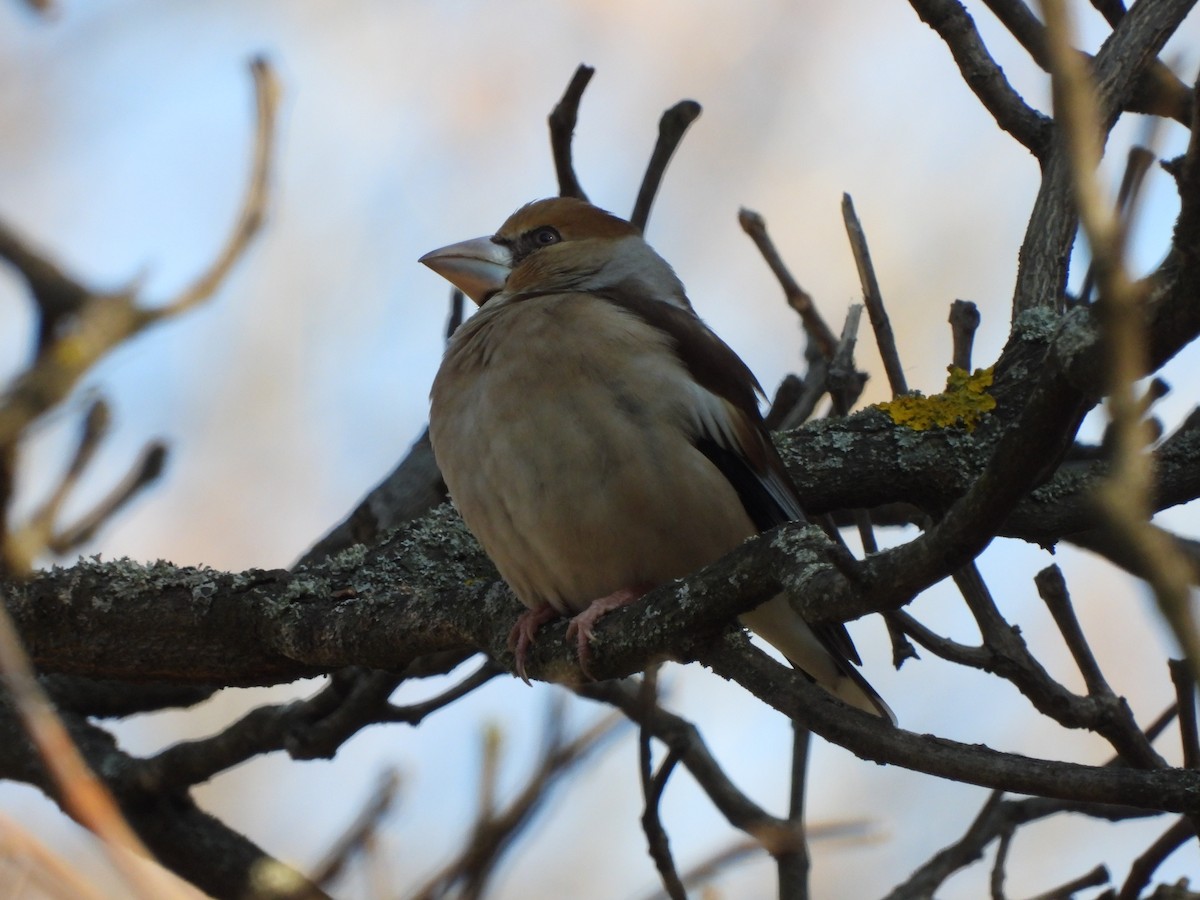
(477, 267)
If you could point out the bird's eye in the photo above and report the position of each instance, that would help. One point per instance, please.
(545, 236)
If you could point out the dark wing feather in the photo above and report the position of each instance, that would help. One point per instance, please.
(747, 458)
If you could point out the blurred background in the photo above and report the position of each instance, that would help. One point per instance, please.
(125, 128)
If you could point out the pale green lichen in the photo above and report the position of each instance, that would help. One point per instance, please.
(1037, 323)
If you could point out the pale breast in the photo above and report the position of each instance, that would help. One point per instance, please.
(563, 426)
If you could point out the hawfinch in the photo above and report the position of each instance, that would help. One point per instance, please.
(599, 439)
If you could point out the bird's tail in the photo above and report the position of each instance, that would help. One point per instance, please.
(783, 628)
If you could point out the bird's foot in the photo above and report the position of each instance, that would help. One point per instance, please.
(520, 639)
(580, 629)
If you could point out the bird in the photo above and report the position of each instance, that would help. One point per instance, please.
(599, 439)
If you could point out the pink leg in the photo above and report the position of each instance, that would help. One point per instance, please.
(580, 629)
(520, 639)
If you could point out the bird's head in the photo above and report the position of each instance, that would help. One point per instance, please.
(557, 245)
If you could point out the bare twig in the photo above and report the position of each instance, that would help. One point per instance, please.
(797, 298)
(843, 381)
(671, 129)
(495, 829)
(653, 785)
(873, 299)
(361, 831)
(415, 713)
(745, 849)
(26, 541)
(1143, 868)
(457, 312)
(254, 203)
(145, 471)
(1185, 694)
(793, 863)
(1157, 92)
(963, 852)
(1155, 729)
(562, 128)
(999, 865)
(982, 75)
(681, 735)
(787, 395)
(1052, 588)
(964, 320)
(656, 835)
(43, 532)
(1068, 891)
(411, 489)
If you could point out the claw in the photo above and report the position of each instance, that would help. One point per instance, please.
(581, 627)
(520, 639)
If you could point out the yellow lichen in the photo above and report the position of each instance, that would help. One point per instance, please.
(961, 405)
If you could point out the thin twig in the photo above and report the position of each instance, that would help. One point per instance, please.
(653, 785)
(1185, 694)
(495, 829)
(361, 831)
(996, 879)
(562, 122)
(742, 850)
(843, 380)
(873, 298)
(797, 298)
(964, 320)
(1052, 588)
(457, 312)
(415, 713)
(678, 733)
(656, 835)
(982, 74)
(1143, 868)
(145, 471)
(787, 395)
(671, 129)
(254, 203)
(1154, 730)
(1095, 878)
(794, 864)
(36, 533)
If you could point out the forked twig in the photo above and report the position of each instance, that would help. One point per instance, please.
(653, 785)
